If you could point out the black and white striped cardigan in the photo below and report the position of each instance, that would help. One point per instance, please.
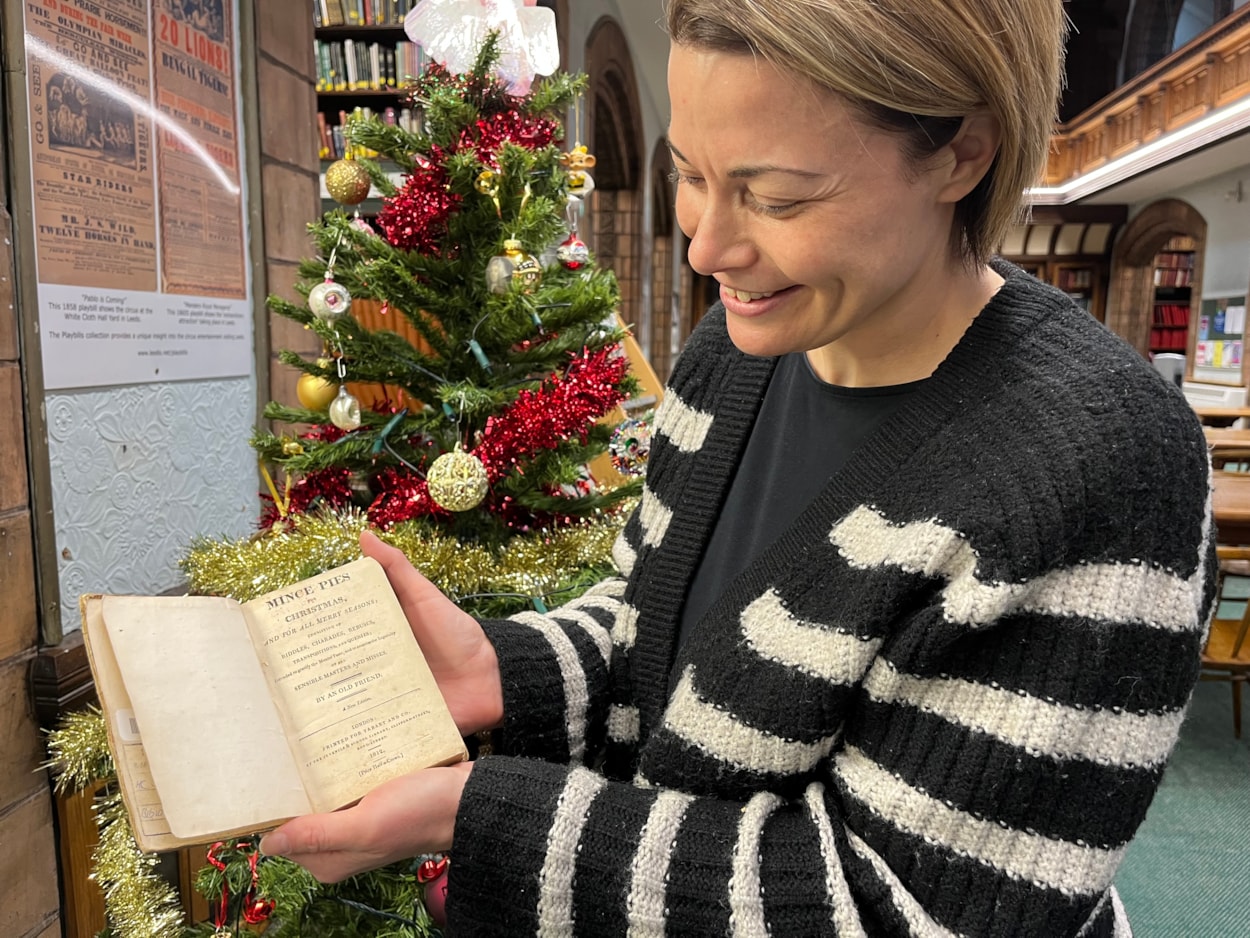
(938, 705)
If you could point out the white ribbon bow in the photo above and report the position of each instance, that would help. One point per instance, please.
(452, 32)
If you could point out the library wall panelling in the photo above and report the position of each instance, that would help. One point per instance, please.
(28, 864)
(19, 626)
(31, 865)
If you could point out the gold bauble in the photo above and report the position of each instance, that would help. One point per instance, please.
(315, 392)
(457, 480)
(348, 182)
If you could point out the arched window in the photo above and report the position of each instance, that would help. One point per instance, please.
(1156, 28)
(1197, 16)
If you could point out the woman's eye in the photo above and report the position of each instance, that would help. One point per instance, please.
(767, 208)
(677, 177)
(751, 201)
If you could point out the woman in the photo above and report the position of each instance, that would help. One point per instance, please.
(912, 605)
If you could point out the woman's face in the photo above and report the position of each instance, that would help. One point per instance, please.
(822, 236)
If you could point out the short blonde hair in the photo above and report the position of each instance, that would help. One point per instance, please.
(917, 68)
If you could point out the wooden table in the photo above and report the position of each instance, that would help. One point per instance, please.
(1220, 416)
(1230, 504)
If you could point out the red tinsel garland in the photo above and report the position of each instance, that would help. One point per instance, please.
(323, 433)
(402, 497)
(488, 134)
(560, 407)
(331, 486)
(563, 406)
(415, 218)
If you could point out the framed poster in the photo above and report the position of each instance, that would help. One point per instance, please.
(140, 255)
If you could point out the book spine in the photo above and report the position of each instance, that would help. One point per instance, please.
(349, 53)
(340, 67)
(325, 141)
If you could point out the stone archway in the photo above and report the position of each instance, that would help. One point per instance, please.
(614, 124)
(1130, 311)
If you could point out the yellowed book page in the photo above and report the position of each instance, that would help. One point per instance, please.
(213, 739)
(147, 816)
(357, 698)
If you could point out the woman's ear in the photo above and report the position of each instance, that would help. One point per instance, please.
(969, 155)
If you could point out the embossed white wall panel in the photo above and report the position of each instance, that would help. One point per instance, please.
(140, 471)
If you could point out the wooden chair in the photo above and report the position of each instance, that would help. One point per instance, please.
(1226, 656)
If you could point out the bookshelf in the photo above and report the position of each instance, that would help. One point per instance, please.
(1172, 301)
(363, 59)
(1069, 247)
(1084, 281)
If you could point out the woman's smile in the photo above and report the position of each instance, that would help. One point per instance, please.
(747, 303)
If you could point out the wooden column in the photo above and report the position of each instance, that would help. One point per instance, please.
(29, 899)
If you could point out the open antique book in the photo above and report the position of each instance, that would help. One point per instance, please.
(227, 718)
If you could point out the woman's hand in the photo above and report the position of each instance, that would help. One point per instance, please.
(415, 813)
(402, 818)
(462, 660)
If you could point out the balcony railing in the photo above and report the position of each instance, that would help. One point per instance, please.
(1204, 80)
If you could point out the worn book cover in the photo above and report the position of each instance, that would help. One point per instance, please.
(227, 718)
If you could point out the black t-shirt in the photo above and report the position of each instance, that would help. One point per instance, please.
(805, 432)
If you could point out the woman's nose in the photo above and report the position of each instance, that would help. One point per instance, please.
(717, 242)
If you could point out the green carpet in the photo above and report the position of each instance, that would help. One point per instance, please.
(1187, 875)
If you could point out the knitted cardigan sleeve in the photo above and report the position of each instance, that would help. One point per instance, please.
(939, 705)
(554, 670)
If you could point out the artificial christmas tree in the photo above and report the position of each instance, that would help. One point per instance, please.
(482, 421)
(516, 360)
(482, 408)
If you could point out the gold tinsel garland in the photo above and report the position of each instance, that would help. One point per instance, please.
(533, 564)
(139, 904)
(78, 751)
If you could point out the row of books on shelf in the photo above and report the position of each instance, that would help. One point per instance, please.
(332, 144)
(350, 65)
(1167, 340)
(1173, 276)
(1182, 260)
(1171, 314)
(1075, 278)
(360, 12)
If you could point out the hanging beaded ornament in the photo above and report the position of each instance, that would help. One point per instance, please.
(457, 480)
